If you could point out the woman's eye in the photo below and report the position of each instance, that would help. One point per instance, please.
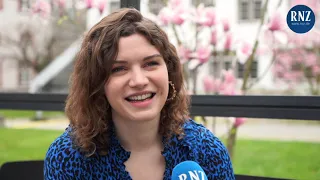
(152, 63)
(117, 69)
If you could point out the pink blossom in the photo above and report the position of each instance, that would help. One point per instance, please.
(206, 16)
(214, 37)
(243, 52)
(184, 54)
(175, 3)
(285, 57)
(89, 3)
(274, 38)
(208, 83)
(43, 8)
(293, 76)
(304, 40)
(226, 25)
(179, 15)
(165, 16)
(246, 48)
(102, 5)
(212, 85)
(228, 76)
(228, 42)
(297, 54)
(239, 121)
(61, 3)
(287, 65)
(228, 89)
(228, 86)
(211, 16)
(316, 70)
(198, 14)
(203, 53)
(288, 75)
(297, 40)
(278, 69)
(276, 22)
(310, 60)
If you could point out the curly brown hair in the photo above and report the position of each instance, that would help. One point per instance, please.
(87, 106)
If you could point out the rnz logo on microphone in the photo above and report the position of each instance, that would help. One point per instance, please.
(300, 19)
(193, 175)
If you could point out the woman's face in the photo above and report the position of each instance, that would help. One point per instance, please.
(138, 87)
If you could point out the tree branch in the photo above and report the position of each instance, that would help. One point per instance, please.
(249, 62)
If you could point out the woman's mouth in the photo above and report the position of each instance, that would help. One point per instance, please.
(140, 98)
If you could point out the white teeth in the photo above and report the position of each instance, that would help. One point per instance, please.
(140, 97)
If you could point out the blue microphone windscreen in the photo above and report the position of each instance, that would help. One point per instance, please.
(188, 170)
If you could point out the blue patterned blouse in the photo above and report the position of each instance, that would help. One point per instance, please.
(63, 161)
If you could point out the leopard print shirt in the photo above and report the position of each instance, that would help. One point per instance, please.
(64, 161)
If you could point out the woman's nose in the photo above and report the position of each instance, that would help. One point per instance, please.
(138, 78)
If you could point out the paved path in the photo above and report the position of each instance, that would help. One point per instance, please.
(253, 129)
(52, 124)
(275, 130)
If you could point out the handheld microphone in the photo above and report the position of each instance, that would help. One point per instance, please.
(188, 170)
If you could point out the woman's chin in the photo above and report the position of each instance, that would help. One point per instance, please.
(145, 116)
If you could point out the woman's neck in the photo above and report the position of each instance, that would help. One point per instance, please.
(138, 136)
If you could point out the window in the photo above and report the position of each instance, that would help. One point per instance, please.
(216, 65)
(257, 9)
(205, 2)
(244, 10)
(23, 5)
(227, 65)
(249, 9)
(241, 70)
(155, 6)
(24, 75)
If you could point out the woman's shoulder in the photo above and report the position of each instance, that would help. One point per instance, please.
(62, 159)
(62, 145)
(208, 150)
(200, 138)
(197, 132)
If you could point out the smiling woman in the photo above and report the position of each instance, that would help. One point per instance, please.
(138, 90)
(128, 109)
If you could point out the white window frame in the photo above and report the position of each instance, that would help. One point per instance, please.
(250, 11)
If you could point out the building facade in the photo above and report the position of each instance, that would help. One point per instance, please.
(242, 15)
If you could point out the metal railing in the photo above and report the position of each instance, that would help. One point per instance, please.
(271, 107)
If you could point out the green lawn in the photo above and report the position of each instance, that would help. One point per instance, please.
(16, 144)
(13, 114)
(294, 160)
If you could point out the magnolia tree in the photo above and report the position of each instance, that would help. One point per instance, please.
(297, 61)
(27, 39)
(205, 42)
(297, 66)
(32, 35)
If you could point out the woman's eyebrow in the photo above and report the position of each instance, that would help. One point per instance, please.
(152, 56)
(144, 59)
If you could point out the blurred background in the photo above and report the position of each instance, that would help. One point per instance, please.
(226, 47)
